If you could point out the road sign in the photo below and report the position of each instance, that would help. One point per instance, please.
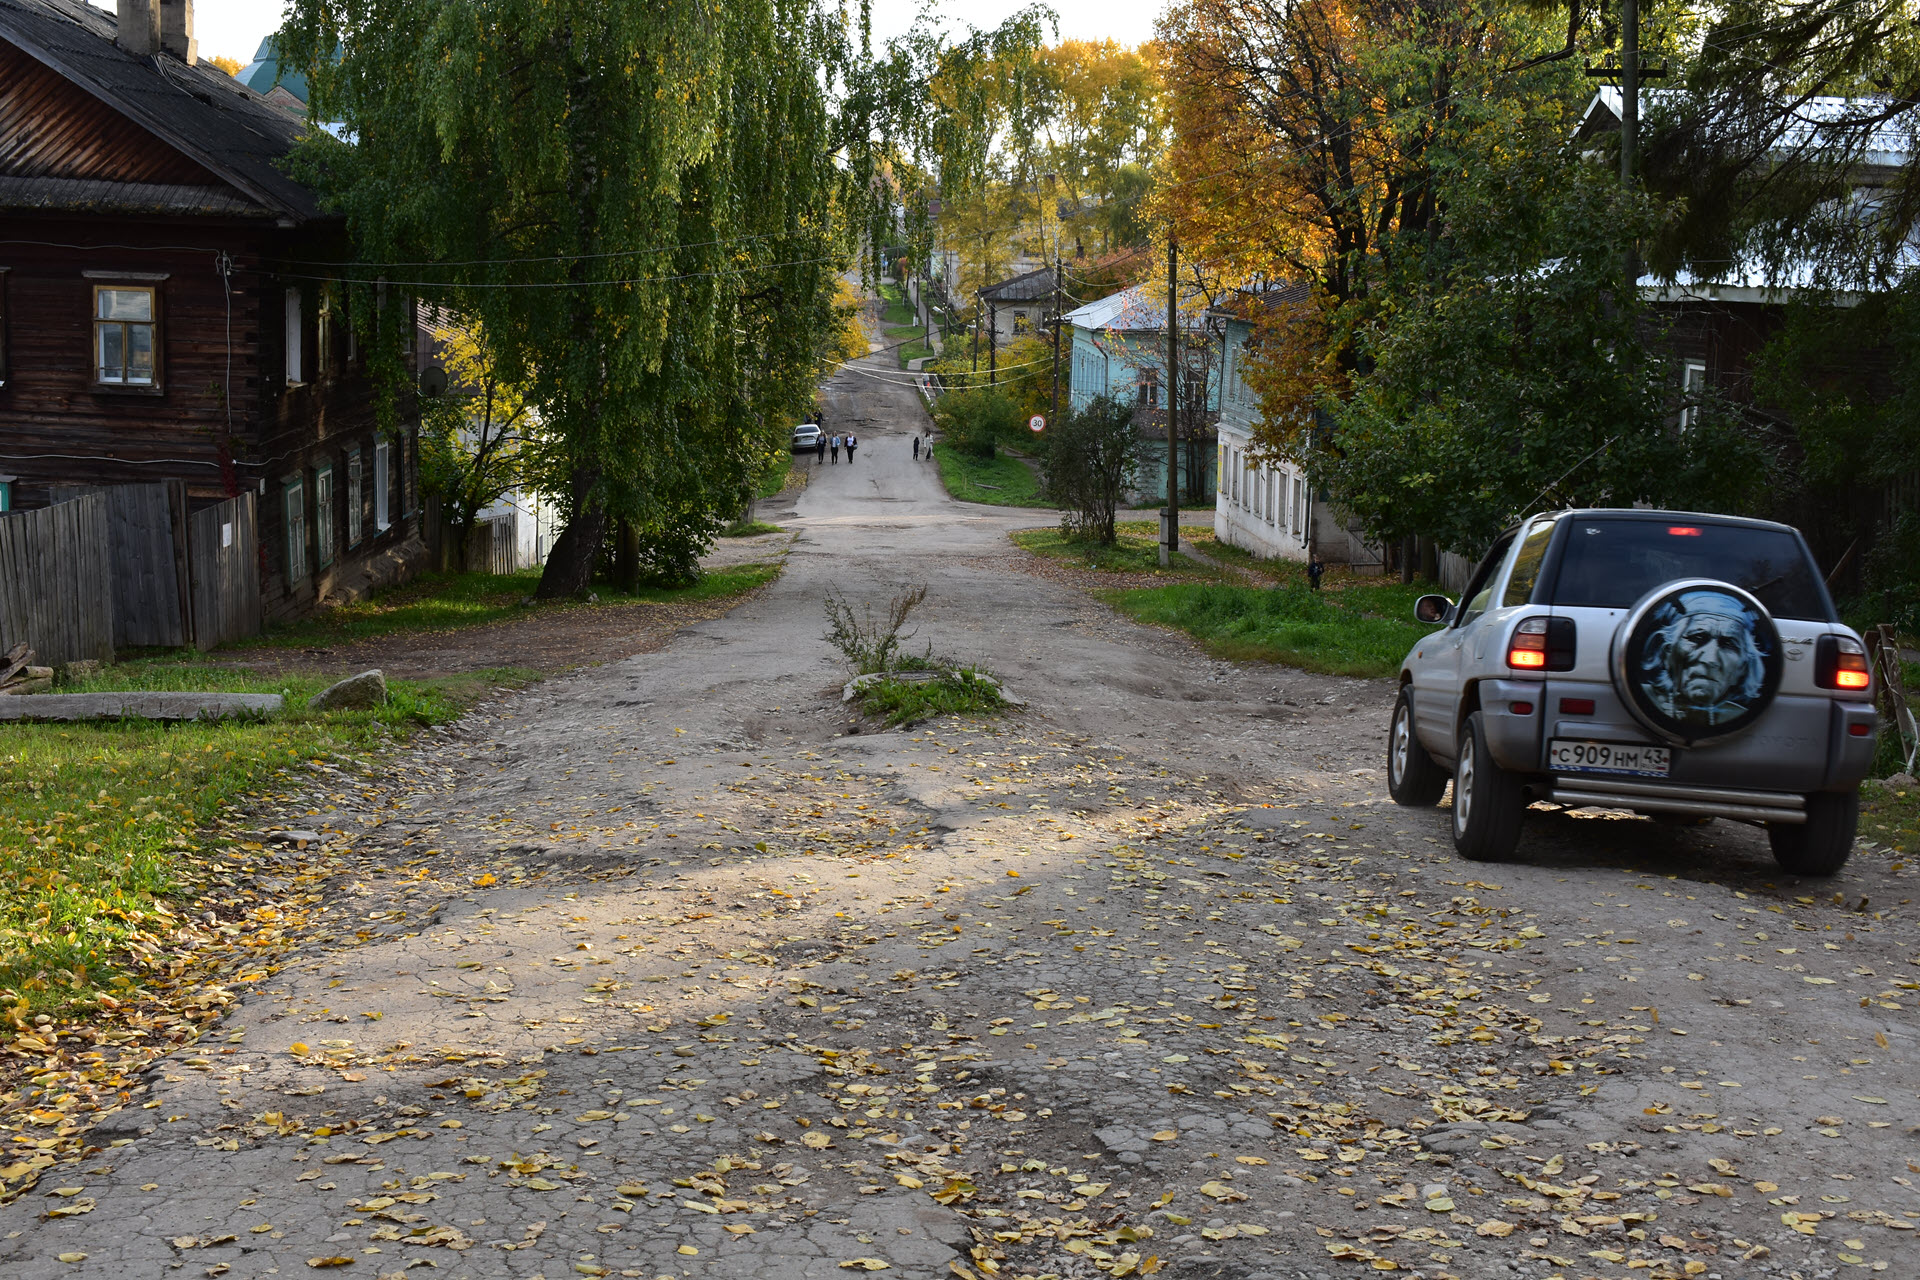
(1037, 423)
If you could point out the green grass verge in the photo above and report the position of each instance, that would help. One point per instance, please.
(960, 692)
(1356, 627)
(1137, 550)
(444, 601)
(749, 529)
(1891, 816)
(101, 824)
(999, 481)
(913, 351)
(898, 310)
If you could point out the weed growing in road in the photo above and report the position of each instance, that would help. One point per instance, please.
(897, 686)
(953, 691)
(871, 644)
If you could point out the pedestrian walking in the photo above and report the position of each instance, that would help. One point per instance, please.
(836, 449)
(916, 448)
(820, 450)
(1314, 570)
(852, 441)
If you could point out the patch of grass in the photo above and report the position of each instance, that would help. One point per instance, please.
(1137, 550)
(444, 601)
(914, 351)
(103, 825)
(1891, 816)
(749, 529)
(960, 691)
(998, 481)
(1355, 627)
(898, 310)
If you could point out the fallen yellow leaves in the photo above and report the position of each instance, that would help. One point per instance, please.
(318, 1263)
(865, 1264)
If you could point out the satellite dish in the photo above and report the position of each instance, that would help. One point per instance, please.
(433, 381)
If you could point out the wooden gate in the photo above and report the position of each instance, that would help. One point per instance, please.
(497, 545)
(223, 559)
(146, 536)
(56, 581)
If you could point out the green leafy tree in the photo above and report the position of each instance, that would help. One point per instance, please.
(639, 203)
(473, 436)
(1092, 460)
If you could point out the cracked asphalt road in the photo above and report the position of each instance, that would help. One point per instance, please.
(659, 969)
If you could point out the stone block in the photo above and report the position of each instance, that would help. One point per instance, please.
(356, 693)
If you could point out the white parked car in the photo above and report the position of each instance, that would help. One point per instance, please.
(806, 437)
(1673, 664)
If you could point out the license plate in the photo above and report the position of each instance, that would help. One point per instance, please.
(1568, 756)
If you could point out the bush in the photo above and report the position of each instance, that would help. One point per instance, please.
(1092, 459)
(974, 420)
(1892, 572)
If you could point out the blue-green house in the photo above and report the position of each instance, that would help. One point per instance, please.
(1120, 350)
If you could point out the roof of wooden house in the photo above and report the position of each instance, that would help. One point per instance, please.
(65, 151)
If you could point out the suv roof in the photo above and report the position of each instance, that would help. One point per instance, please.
(1659, 513)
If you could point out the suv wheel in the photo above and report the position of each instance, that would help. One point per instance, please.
(1820, 845)
(1413, 779)
(1487, 800)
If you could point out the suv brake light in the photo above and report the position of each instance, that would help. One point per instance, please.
(1841, 663)
(1527, 651)
(1542, 644)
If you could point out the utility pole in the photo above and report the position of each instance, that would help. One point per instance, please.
(1630, 117)
(993, 347)
(1059, 321)
(1170, 514)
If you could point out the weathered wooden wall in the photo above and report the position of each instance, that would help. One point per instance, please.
(56, 586)
(225, 551)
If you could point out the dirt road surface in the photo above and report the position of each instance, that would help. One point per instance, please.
(659, 970)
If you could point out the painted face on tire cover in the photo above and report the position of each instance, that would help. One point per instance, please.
(1703, 666)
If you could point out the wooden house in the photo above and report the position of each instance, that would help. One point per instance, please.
(169, 310)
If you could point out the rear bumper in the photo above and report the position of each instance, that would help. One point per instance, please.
(1665, 797)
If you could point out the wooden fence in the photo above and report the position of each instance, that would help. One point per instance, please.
(146, 541)
(224, 568)
(56, 581)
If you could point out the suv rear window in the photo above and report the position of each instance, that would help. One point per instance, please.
(1611, 563)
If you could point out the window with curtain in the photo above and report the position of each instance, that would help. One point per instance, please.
(125, 336)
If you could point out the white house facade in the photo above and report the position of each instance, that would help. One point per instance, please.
(1264, 507)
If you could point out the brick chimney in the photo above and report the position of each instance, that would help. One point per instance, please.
(176, 30)
(139, 27)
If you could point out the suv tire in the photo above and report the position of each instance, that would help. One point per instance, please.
(1487, 800)
(1820, 845)
(1413, 779)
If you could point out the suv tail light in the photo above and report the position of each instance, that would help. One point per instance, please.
(1840, 663)
(1542, 644)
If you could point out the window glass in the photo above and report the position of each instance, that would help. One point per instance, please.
(1480, 587)
(295, 339)
(1526, 565)
(296, 514)
(324, 523)
(382, 486)
(123, 337)
(1611, 563)
(356, 501)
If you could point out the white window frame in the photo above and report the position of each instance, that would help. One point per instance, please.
(296, 340)
(382, 486)
(356, 499)
(151, 324)
(1693, 379)
(325, 526)
(1299, 503)
(294, 511)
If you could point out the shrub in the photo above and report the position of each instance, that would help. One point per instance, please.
(973, 420)
(1092, 459)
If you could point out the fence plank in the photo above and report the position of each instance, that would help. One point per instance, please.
(143, 562)
(55, 581)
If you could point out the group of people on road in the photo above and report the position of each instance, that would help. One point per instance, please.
(835, 443)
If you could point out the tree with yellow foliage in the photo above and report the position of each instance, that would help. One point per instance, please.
(474, 436)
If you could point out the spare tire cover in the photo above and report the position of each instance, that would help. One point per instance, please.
(1697, 660)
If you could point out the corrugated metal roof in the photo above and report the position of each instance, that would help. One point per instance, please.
(1030, 287)
(199, 110)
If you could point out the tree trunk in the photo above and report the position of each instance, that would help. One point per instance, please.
(626, 556)
(569, 570)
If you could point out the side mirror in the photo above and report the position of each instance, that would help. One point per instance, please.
(1432, 609)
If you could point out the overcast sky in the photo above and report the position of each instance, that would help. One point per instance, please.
(234, 28)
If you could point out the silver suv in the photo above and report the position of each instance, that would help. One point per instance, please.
(1685, 666)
